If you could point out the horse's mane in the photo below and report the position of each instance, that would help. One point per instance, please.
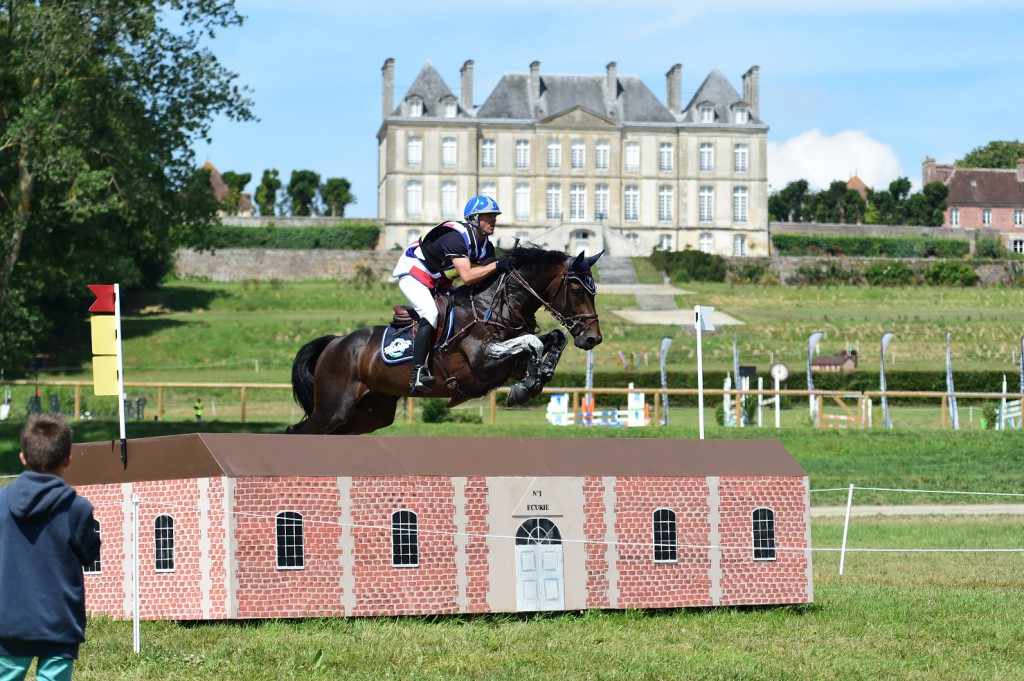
(535, 256)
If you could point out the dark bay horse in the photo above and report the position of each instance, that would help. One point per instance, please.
(345, 387)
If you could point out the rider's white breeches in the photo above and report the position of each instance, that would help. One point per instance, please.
(421, 298)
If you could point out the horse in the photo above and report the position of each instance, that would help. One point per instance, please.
(345, 386)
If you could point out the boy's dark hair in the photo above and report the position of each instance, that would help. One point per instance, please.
(45, 442)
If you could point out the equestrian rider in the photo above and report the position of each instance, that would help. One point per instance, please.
(452, 250)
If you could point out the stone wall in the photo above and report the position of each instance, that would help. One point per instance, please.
(241, 264)
(1002, 272)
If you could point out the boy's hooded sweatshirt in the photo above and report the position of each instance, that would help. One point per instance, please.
(47, 535)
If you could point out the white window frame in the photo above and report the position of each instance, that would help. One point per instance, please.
(578, 155)
(986, 216)
(413, 199)
(577, 202)
(1018, 217)
(602, 197)
(554, 202)
(289, 527)
(739, 245)
(740, 158)
(707, 114)
(631, 203)
(522, 201)
(740, 204)
(665, 157)
(666, 197)
(96, 566)
(415, 107)
(706, 243)
(633, 238)
(449, 205)
(522, 154)
(767, 542)
(741, 116)
(451, 108)
(602, 155)
(632, 157)
(707, 205)
(707, 157)
(449, 152)
(163, 543)
(414, 152)
(405, 539)
(954, 217)
(489, 189)
(554, 155)
(1017, 246)
(488, 154)
(665, 536)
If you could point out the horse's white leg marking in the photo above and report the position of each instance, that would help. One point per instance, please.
(514, 346)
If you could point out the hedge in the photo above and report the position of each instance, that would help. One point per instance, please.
(910, 246)
(342, 236)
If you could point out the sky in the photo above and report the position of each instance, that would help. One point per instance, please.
(867, 88)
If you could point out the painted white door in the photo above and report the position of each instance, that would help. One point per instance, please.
(540, 575)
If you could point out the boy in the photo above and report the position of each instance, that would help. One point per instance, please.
(47, 534)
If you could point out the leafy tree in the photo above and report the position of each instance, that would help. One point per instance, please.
(336, 193)
(236, 184)
(788, 205)
(302, 190)
(994, 155)
(266, 193)
(100, 104)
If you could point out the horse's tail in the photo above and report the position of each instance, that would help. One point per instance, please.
(302, 371)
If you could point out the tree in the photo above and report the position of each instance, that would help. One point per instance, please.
(100, 103)
(788, 205)
(994, 155)
(266, 193)
(236, 184)
(302, 190)
(336, 194)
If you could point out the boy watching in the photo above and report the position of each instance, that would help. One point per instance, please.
(47, 534)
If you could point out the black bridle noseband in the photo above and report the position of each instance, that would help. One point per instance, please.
(575, 324)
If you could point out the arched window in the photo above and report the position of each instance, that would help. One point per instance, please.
(405, 542)
(706, 243)
(290, 541)
(95, 566)
(164, 543)
(665, 546)
(764, 534)
(538, 531)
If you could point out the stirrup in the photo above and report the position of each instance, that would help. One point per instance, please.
(422, 379)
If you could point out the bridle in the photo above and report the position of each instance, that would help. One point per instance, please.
(575, 324)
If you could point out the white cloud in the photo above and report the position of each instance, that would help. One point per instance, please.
(821, 159)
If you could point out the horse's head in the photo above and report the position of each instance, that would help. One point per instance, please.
(574, 300)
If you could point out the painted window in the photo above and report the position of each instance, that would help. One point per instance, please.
(405, 541)
(554, 155)
(290, 541)
(448, 202)
(487, 154)
(164, 543)
(578, 155)
(739, 245)
(631, 203)
(601, 198)
(413, 198)
(739, 204)
(522, 201)
(415, 107)
(414, 152)
(448, 152)
(740, 158)
(554, 203)
(578, 202)
(602, 154)
(523, 154)
(954, 217)
(96, 565)
(707, 157)
(707, 204)
(665, 542)
(632, 157)
(665, 157)
(764, 534)
(538, 531)
(986, 216)
(665, 194)
(706, 244)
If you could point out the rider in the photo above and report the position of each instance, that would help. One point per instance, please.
(450, 251)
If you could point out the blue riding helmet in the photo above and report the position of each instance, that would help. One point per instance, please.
(479, 205)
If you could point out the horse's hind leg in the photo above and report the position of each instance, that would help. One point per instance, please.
(373, 412)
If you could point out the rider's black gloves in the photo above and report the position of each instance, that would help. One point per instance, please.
(503, 264)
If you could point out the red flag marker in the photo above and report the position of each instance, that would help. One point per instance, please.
(104, 297)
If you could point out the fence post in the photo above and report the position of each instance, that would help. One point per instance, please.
(160, 403)
(846, 530)
(410, 405)
(942, 423)
(243, 403)
(78, 401)
(494, 406)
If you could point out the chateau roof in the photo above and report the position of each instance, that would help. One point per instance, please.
(431, 88)
(718, 92)
(984, 186)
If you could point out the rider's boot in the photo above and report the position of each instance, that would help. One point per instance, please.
(422, 379)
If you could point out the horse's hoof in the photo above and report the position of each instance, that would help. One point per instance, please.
(517, 394)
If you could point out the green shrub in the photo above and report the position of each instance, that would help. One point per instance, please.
(951, 273)
(888, 273)
(989, 249)
(910, 246)
(342, 236)
(748, 273)
(827, 273)
(695, 265)
(435, 410)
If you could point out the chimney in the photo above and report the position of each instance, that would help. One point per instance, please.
(535, 80)
(928, 170)
(1020, 169)
(613, 81)
(752, 90)
(674, 82)
(389, 86)
(467, 85)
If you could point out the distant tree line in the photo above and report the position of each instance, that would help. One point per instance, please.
(839, 204)
(304, 195)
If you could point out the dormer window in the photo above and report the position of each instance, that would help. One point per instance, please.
(707, 114)
(415, 107)
(450, 108)
(742, 116)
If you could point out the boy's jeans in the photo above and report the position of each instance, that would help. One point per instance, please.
(49, 668)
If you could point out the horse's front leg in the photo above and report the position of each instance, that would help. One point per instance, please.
(554, 344)
(531, 384)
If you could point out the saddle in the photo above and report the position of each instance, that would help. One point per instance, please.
(396, 345)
